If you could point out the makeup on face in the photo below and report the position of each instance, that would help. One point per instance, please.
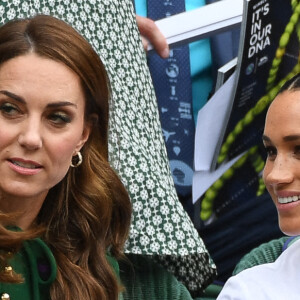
(41, 124)
(282, 169)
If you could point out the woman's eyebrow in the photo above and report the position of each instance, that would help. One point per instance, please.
(61, 103)
(266, 138)
(21, 100)
(13, 96)
(290, 138)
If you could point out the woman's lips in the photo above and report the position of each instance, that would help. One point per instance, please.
(24, 167)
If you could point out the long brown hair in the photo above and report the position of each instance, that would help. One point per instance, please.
(89, 211)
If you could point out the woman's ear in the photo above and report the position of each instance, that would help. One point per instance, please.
(89, 124)
(84, 137)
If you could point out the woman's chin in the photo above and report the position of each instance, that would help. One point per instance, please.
(290, 230)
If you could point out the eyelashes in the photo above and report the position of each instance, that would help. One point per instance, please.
(297, 149)
(60, 118)
(9, 109)
(271, 151)
(57, 118)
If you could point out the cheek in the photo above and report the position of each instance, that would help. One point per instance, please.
(6, 137)
(266, 171)
(62, 151)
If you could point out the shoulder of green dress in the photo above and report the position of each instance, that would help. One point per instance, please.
(113, 262)
(37, 265)
(115, 265)
(39, 257)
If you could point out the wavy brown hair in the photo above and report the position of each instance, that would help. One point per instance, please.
(89, 211)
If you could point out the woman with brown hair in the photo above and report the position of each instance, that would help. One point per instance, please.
(56, 184)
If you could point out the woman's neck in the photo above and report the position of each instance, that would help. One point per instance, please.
(25, 210)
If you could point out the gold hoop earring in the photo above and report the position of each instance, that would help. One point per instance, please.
(77, 160)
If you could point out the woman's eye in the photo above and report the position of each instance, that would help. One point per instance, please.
(271, 151)
(59, 118)
(297, 150)
(9, 109)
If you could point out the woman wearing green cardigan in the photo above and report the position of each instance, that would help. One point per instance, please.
(56, 182)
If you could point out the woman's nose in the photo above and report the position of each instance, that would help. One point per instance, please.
(279, 171)
(30, 135)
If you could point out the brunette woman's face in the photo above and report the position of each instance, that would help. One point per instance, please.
(282, 170)
(41, 124)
